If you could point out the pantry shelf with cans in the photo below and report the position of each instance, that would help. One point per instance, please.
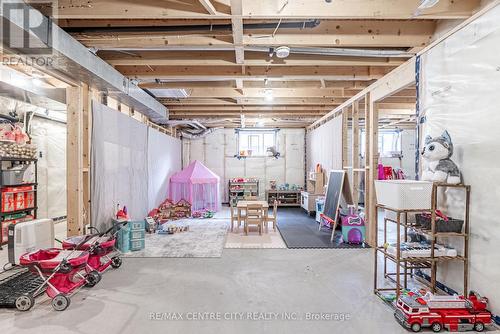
(18, 187)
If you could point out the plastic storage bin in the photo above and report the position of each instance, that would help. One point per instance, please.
(136, 245)
(122, 237)
(131, 236)
(404, 194)
(451, 225)
(14, 176)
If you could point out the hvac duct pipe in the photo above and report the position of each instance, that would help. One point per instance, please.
(346, 52)
(185, 28)
(70, 57)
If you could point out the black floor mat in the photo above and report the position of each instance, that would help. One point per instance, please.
(299, 230)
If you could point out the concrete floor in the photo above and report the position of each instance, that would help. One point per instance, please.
(266, 280)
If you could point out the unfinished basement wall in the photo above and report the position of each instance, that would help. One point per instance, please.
(459, 92)
(324, 145)
(164, 160)
(50, 138)
(217, 151)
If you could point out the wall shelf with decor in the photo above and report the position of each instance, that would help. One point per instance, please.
(243, 189)
(284, 197)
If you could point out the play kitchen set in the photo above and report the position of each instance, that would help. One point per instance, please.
(315, 189)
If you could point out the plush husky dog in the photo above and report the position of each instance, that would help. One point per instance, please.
(440, 168)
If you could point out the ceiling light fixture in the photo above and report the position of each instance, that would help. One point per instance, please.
(282, 51)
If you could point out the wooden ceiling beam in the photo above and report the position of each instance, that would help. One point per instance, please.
(365, 9)
(329, 33)
(257, 83)
(235, 72)
(265, 9)
(255, 101)
(237, 27)
(195, 108)
(208, 7)
(276, 92)
(249, 113)
(227, 58)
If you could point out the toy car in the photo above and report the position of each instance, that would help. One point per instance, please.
(455, 313)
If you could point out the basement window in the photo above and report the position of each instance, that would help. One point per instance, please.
(389, 143)
(254, 143)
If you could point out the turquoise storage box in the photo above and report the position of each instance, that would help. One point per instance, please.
(134, 235)
(136, 245)
(137, 225)
(131, 236)
(122, 237)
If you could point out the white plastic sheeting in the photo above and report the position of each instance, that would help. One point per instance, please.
(324, 145)
(119, 165)
(217, 152)
(460, 85)
(164, 159)
(50, 139)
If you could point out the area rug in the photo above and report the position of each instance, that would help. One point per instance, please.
(205, 238)
(299, 230)
(238, 239)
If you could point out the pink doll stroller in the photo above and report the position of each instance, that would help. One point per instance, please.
(63, 272)
(99, 246)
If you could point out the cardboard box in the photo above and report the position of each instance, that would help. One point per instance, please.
(29, 199)
(8, 202)
(19, 201)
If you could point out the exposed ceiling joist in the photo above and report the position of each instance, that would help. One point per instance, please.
(265, 9)
(234, 72)
(208, 6)
(225, 58)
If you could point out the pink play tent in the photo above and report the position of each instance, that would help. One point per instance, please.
(198, 185)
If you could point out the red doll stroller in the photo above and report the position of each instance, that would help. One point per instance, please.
(63, 272)
(99, 246)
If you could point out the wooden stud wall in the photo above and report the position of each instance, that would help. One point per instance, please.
(355, 153)
(75, 97)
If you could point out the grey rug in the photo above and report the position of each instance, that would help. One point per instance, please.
(205, 238)
(299, 230)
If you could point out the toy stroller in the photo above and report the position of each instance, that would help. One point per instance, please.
(99, 246)
(63, 273)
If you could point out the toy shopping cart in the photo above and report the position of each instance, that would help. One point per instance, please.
(63, 273)
(99, 246)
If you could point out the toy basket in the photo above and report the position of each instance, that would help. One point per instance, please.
(404, 194)
(442, 225)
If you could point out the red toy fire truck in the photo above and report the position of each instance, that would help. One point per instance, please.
(455, 313)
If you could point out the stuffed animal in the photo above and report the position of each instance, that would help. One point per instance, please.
(274, 152)
(440, 168)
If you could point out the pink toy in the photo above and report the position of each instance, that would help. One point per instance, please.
(63, 272)
(198, 185)
(353, 227)
(99, 246)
